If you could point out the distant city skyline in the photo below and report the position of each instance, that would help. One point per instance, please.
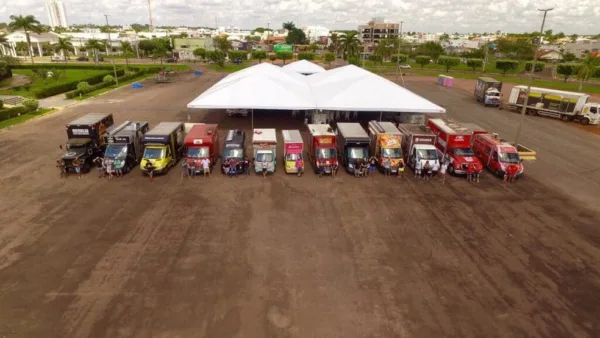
(569, 16)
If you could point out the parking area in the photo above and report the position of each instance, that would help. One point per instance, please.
(285, 256)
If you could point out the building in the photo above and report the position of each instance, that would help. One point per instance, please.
(581, 48)
(549, 55)
(377, 30)
(315, 33)
(40, 43)
(184, 48)
(57, 16)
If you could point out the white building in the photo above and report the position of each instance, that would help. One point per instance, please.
(315, 33)
(233, 33)
(57, 16)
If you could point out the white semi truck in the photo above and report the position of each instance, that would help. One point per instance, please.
(567, 106)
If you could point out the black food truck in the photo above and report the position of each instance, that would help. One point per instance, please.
(86, 140)
(124, 143)
(234, 147)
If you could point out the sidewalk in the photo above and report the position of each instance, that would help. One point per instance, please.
(56, 101)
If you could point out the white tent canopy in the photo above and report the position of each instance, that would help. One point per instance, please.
(348, 88)
(304, 67)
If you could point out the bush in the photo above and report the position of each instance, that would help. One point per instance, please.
(67, 86)
(507, 65)
(354, 61)
(8, 113)
(284, 55)
(84, 87)
(238, 55)
(474, 63)
(1, 104)
(448, 62)
(402, 57)
(306, 56)
(568, 69)
(539, 66)
(77, 92)
(108, 78)
(329, 57)
(259, 55)
(272, 57)
(423, 60)
(31, 105)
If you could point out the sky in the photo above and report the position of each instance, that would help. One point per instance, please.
(569, 16)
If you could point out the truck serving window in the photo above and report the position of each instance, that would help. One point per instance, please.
(115, 151)
(509, 157)
(197, 152)
(464, 152)
(292, 157)
(232, 153)
(427, 154)
(354, 153)
(391, 152)
(326, 153)
(154, 153)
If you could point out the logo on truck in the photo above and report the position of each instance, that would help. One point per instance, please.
(390, 141)
(197, 141)
(326, 140)
(80, 132)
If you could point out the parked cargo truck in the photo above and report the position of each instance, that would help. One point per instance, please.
(386, 142)
(264, 144)
(124, 143)
(352, 145)
(567, 106)
(201, 142)
(453, 143)
(418, 145)
(86, 140)
(322, 147)
(163, 146)
(488, 91)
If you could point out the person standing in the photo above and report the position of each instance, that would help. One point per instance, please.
(387, 166)
(192, 167)
(185, 171)
(435, 168)
(364, 168)
(119, 167)
(77, 165)
(299, 164)
(149, 169)
(443, 169)
(109, 168)
(476, 172)
(265, 168)
(401, 169)
(246, 165)
(427, 170)
(62, 168)
(418, 168)
(226, 166)
(99, 163)
(372, 165)
(334, 168)
(205, 166)
(469, 173)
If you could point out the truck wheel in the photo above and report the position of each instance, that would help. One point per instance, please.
(451, 170)
(531, 112)
(565, 118)
(585, 121)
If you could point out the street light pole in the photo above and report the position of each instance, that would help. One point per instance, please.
(108, 30)
(398, 54)
(530, 82)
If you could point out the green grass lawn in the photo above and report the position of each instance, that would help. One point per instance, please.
(69, 76)
(24, 117)
(106, 89)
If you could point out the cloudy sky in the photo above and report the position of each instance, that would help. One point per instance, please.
(569, 16)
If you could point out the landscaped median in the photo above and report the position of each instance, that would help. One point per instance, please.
(10, 116)
(138, 74)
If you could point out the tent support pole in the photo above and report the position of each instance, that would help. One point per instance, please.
(188, 115)
(252, 113)
(380, 116)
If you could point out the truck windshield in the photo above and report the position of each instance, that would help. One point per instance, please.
(116, 151)
(391, 152)
(264, 157)
(154, 153)
(233, 153)
(509, 157)
(427, 154)
(354, 153)
(464, 152)
(326, 153)
(197, 152)
(292, 157)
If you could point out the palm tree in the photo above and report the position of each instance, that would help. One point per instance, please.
(290, 26)
(349, 45)
(160, 52)
(3, 42)
(27, 24)
(127, 50)
(64, 46)
(335, 43)
(94, 45)
(589, 66)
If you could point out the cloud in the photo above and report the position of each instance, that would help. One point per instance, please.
(569, 16)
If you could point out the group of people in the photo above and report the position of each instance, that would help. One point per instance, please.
(108, 167)
(367, 167)
(190, 168)
(233, 167)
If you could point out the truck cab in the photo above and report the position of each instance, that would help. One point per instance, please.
(201, 142)
(234, 147)
(163, 146)
(418, 145)
(322, 147)
(86, 139)
(453, 143)
(590, 113)
(124, 143)
(496, 154)
(264, 145)
(353, 145)
(386, 142)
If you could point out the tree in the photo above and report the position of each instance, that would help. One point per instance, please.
(272, 57)
(589, 67)
(31, 105)
(296, 36)
(349, 45)
(329, 58)
(539, 66)
(222, 43)
(385, 48)
(108, 79)
(306, 56)
(313, 47)
(94, 45)
(259, 55)
(403, 58)
(200, 53)
(567, 69)
(238, 55)
(474, 63)
(217, 56)
(29, 24)
(507, 65)
(376, 58)
(64, 46)
(160, 52)
(284, 55)
(569, 57)
(84, 87)
(353, 60)
(334, 46)
(423, 60)
(448, 62)
(289, 25)
(147, 46)
(444, 39)
(573, 37)
(521, 49)
(433, 49)
(21, 47)
(139, 28)
(127, 51)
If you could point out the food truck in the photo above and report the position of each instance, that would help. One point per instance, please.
(497, 154)
(264, 145)
(234, 147)
(453, 143)
(488, 91)
(293, 147)
(86, 139)
(386, 142)
(201, 142)
(418, 145)
(163, 146)
(352, 145)
(321, 148)
(124, 143)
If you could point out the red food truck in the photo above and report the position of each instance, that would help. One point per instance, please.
(321, 148)
(496, 154)
(201, 142)
(453, 142)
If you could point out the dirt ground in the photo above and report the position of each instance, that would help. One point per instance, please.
(297, 257)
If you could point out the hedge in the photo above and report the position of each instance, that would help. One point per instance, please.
(8, 113)
(67, 86)
(75, 93)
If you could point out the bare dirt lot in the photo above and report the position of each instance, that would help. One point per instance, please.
(296, 257)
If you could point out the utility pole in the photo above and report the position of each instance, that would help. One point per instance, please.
(398, 56)
(530, 82)
(150, 15)
(108, 30)
(115, 70)
(268, 36)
